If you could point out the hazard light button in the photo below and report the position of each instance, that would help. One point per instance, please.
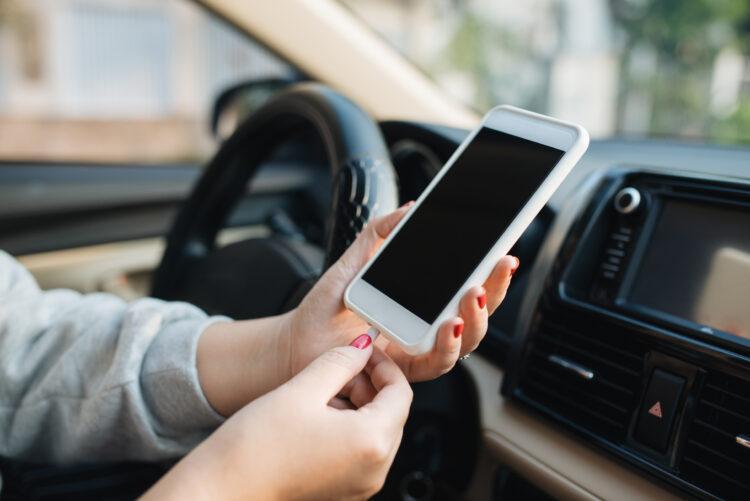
(659, 409)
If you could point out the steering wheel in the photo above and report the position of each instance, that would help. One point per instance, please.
(275, 273)
(441, 438)
(265, 276)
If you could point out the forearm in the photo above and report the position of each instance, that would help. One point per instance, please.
(240, 361)
(220, 468)
(201, 475)
(91, 378)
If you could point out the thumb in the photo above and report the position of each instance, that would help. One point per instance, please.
(372, 236)
(326, 375)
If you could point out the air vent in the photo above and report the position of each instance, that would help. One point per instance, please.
(592, 381)
(716, 455)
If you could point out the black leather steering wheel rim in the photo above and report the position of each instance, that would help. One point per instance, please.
(364, 181)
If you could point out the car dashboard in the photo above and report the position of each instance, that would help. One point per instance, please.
(621, 347)
(629, 331)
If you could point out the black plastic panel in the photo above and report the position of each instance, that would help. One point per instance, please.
(585, 363)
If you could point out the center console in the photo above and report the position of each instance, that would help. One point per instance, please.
(638, 340)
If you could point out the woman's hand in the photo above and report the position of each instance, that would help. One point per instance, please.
(240, 361)
(301, 441)
(322, 320)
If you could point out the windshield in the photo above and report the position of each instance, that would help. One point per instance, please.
(130, 81)
(676, 68)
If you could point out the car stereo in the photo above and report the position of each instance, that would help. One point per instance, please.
(676, 252)
(638, 337)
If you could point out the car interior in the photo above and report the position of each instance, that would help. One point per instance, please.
(618, 366)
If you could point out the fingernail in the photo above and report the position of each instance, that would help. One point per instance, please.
(482, 300)
(362, 341)
(515, 266)
(458, 329)
(407, 204)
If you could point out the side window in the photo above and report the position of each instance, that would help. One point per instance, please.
(117, 80)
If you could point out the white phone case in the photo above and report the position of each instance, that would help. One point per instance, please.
(403, 326)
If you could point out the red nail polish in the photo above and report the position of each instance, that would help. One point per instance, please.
(458, 329)
(362, 341)
(515, 267)
(482, 301)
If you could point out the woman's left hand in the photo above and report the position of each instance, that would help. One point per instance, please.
(238, 362)
(322, 321)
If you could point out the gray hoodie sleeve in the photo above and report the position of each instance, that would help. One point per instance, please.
(90, 377)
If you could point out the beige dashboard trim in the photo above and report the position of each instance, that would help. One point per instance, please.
(91, 268)
(535, 471)
(555, 462)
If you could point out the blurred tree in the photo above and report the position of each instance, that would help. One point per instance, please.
(686, 36)
(672, 81)
(466, 53)
(494, 58)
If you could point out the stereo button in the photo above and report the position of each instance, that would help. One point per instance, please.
(659, 409)
(627, 200)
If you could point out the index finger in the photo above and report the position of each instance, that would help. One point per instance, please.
(394, 394)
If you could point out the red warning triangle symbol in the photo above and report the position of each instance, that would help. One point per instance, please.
(655, 410)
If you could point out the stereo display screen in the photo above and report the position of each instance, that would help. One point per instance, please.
(697, 266)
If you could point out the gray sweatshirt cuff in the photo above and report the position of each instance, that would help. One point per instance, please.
(170, 379)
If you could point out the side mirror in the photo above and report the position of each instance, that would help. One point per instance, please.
(240, 100)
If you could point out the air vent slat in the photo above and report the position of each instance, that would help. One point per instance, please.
(720, 441)
(634, 360)
(738, 396)
(603, 403)
(610, 371)
(714, 481)
(738, 420)
(629, 393)
(589, 417)
(712, 458)
(581, 392)
(732, 385)
(713, 428)
(728, 462)
(555, 341)
(619, 395)
(723, 398)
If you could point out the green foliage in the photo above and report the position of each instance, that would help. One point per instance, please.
(476, 48)
(667, 51)
(686, 29)
(686, 36)
(735, 128)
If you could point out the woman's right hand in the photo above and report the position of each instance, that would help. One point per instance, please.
(302, 440)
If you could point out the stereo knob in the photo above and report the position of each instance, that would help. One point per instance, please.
(627, 200)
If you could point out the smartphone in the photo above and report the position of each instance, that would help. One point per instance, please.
(469, 216)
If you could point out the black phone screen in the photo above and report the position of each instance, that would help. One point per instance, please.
(454, 228)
